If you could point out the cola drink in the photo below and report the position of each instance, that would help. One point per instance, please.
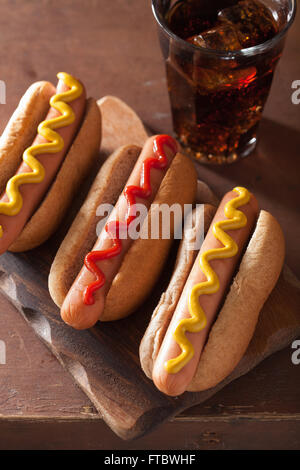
(220, 60)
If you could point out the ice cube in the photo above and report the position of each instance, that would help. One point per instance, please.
(253, 22)
(209, 79)
(222, 37)
(213, 80)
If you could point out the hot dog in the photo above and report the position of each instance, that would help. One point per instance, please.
(200, 340)
(42, 173)
(118, 273)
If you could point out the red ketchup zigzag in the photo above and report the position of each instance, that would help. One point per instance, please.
(158, 160)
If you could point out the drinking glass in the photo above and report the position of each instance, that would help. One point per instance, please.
(217, 96)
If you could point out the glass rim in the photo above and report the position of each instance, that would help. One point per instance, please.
(245, 52)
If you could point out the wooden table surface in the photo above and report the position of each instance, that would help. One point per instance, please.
(113, 47)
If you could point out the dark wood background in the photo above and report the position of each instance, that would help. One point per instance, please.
(113, 47)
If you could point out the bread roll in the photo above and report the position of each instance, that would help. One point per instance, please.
(232, 331)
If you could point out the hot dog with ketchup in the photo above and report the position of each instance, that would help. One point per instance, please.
(201, 340)
(42, 171)
(119, 272)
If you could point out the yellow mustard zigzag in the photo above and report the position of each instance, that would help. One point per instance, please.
(55, 144)
(235, 220)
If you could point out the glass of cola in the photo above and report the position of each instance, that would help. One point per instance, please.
(220, 59)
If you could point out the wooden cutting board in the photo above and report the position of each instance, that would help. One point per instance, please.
(104, 360)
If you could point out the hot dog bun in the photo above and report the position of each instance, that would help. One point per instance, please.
(144, 259)
(74, 169)
(136, 279)
(21, 128)
(81, 236)
(83, 153)
(183, 344)
(163, 313)
(233, 329)
(232, 332)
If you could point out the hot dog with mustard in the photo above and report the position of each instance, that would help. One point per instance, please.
(199, 341)
(48, 168)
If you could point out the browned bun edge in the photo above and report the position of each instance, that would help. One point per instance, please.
(145, 258)
(82, 236)
(82, 154)
(201, 218)
(232, 332)
(22, 127)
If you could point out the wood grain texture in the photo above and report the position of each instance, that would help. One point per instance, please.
(259, 410)
(104, 361)
(186, 434)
